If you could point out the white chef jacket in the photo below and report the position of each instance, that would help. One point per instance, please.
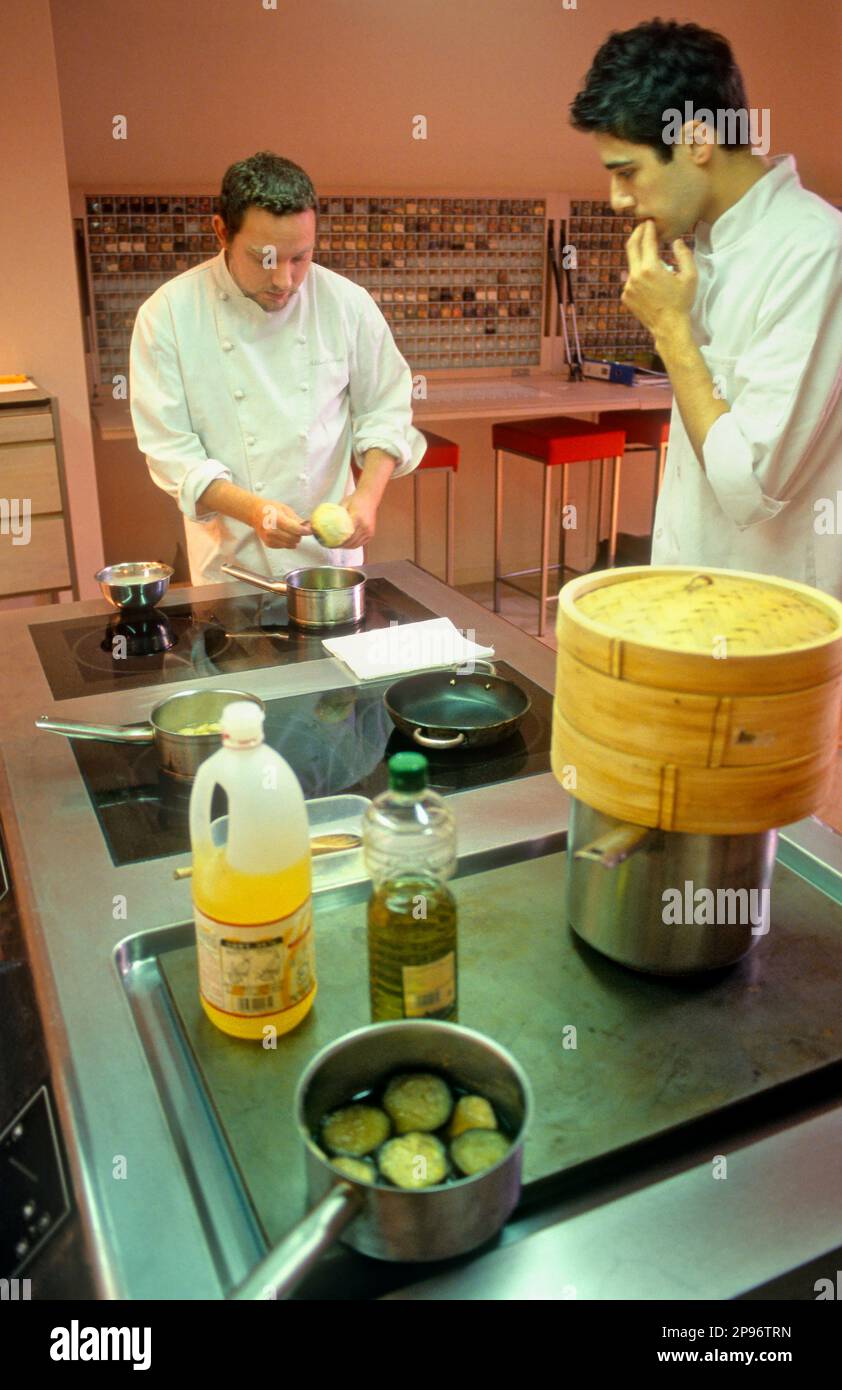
(274, 402)
(767, 318)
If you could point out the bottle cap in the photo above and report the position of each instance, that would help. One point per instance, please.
(241, 724)
(408, 772)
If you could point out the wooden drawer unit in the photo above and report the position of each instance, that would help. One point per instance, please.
(31, 478)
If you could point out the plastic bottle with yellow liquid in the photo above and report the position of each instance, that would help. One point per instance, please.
(252, 896)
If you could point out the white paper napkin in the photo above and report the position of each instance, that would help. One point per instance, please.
(405, 647)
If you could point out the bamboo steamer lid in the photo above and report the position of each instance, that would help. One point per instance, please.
(702, 631)
(703, 701)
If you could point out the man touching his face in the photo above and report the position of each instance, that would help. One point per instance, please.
(749, 327)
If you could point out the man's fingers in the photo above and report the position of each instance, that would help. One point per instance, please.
(649, 257)
(634, 248)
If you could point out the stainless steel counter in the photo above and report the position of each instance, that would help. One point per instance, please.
(156, 1227)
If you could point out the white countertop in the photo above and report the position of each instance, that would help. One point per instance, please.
(487, 398)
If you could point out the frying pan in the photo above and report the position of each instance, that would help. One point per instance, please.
(442, 709)
(324, 596)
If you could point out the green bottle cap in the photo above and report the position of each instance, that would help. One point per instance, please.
(407, 772)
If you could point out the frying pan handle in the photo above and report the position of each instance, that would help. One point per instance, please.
(282, 1270)
(275, 586)
(104, 733)
(427, 742)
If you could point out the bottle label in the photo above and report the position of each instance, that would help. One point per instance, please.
(427, 989)
(256, 970)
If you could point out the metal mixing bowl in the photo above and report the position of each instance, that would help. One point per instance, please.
(135, 585)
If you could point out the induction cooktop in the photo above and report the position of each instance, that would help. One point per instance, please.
(335, 741)
(116, 651)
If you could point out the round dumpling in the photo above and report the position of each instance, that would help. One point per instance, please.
(414, 1160)
(332, 525)
(355, 1130)
(478, 1149)
(472, 1112)
(360, 1169)
(418, 1100)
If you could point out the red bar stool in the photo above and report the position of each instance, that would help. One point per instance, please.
(644, 429)
(442, 454)
(557, 441)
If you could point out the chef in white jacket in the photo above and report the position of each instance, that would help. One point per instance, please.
(749, 328)
(257, 376)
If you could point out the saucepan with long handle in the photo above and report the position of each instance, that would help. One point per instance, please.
(324, 596)
(385, 1222)
(180, 751)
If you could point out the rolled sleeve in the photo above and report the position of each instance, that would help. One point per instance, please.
(781, 391)
(176, 458)
(381, 394)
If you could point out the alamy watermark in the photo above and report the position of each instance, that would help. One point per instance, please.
(16, 519)
(726, 125)
(708, 907)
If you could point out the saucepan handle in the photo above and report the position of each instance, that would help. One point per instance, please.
(104, 733)
(615, 845)
(275, 586)
(427, 742)
(281, 1271)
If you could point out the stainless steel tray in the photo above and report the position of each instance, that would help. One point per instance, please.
(650, 1056)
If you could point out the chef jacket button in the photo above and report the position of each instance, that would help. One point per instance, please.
(258, 487)
(302, 434)
(226, 346)
(238, 395)
(301, 339)
(250, 439)
(223, 294)
(302, 477)
(658, 534)
(304, 386)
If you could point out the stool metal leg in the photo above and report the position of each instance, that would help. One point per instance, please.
(599, 509)
(615, 510)
(546, 518)
(562, 539)
(416, 519)
(498, 523)
(451, 530)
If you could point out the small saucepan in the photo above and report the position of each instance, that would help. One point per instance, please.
(442, 709)
(390, 1223)
(180, 754)
(325, 596)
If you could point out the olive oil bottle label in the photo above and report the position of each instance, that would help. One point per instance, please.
(428, 989)
(256, 970)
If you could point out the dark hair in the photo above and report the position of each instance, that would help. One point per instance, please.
(640, 73)
(264, 180)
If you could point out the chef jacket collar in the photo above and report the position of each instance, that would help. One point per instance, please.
(748, 210)
(227, 284)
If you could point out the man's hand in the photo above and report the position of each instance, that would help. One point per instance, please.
(362, 510)
(278, 526)
(658, 297)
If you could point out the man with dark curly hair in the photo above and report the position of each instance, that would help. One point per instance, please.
(749, 327)
(257, 377)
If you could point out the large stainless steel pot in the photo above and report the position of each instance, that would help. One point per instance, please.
(325, 596)
(617, 877)
(179, 755)
(385, 1222)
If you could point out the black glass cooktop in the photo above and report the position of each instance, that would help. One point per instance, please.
(93, 656)
(336, 741)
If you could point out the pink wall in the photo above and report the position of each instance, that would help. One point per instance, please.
(40, 322)
(334, 84)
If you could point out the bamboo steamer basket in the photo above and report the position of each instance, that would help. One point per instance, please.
(703, 701)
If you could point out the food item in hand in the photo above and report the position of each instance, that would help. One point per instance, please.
(472, 1112)
(360, 1169)
(418, 1101)
(213, 727)
(332, 525)
(413, 1160)
(355, 1130)
(478, 1149)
